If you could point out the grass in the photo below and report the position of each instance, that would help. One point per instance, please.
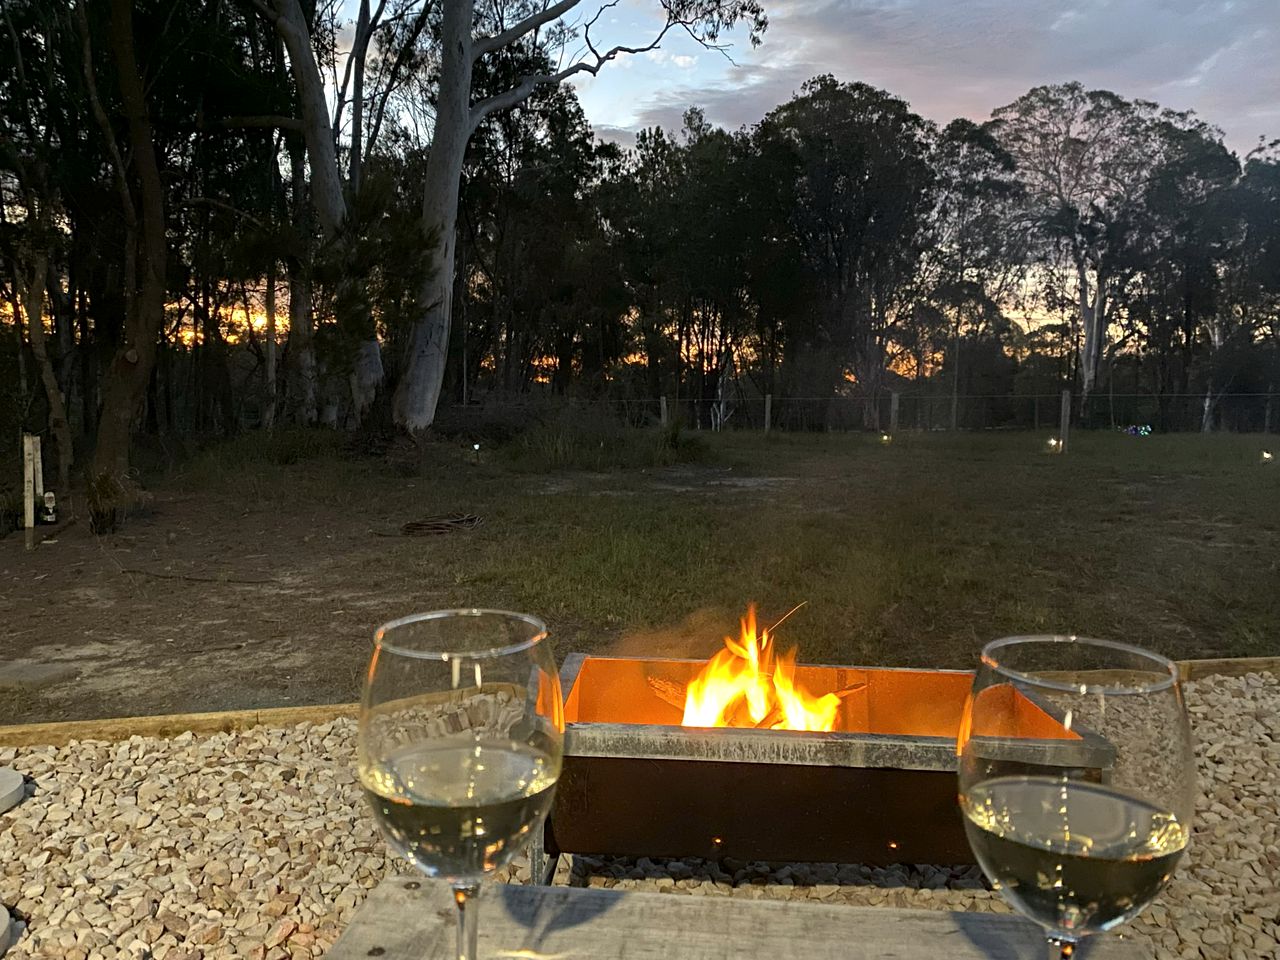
(913, 553)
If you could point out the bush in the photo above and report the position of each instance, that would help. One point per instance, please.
(586, 440)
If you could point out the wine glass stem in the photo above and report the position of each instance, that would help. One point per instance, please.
(464, 895)
(1060, 948)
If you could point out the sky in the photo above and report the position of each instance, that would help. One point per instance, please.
(952, 58)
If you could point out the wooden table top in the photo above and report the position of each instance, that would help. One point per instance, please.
(409, 918)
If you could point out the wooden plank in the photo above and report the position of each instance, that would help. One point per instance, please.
(1229, 667)
(407, 918)
(169, 725)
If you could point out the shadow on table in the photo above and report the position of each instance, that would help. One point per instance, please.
(1024, 939)
(556, 910)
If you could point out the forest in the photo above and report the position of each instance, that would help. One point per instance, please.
(228, 215)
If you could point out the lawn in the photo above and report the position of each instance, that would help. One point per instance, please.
(912, 553)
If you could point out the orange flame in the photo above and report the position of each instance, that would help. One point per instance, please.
(747, 685)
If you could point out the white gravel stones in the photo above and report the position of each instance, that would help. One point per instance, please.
(256, 845)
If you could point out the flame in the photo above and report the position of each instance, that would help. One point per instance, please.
(748, 685)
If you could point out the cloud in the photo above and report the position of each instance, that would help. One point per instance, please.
(611, 134)
(950, 58)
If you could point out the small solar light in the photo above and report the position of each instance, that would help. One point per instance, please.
(886, 438)
(1054, 443)
(476, 448)
(1267, 456)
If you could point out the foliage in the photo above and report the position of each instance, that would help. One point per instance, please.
(587, 440)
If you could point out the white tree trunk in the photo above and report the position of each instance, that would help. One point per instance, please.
(1091, 326)
(366, 375)
(326, 184)
(423, 377)
(326, 181)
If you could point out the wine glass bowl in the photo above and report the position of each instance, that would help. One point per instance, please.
(460, 743)
(1079, 833)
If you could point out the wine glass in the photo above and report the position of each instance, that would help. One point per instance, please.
(460, 743)
(1077, 780)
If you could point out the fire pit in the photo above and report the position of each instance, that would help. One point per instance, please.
(877, 787)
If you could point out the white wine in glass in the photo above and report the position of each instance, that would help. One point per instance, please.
(1082, 832)
(460, 744)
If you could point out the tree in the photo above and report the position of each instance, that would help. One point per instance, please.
(1085, 158)
(457, 117)
(862, 185)
(146, 252)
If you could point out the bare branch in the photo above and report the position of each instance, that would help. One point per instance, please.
(525, 87)
(402, 55)
(497, 41)
(223, 205)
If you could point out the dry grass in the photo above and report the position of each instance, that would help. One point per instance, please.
(910, 554)
(914, 553)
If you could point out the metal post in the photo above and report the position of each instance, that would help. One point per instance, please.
(768, 411)
(1065, 421)
(662, 402)
(894, 398)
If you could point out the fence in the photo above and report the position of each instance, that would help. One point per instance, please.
(1243, 413)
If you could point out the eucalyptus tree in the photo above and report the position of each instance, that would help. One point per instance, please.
(1086, 159)
(458, 113)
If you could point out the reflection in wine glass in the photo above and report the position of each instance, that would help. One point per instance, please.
(1077, 834)
(460, 744)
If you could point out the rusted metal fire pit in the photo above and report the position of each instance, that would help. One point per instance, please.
(881, 789)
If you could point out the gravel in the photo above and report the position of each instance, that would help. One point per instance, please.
(256, 845)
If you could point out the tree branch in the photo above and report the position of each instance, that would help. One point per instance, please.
(223, 205)
(497, 41)
(100, 115)
(525, 87)
(402, 55)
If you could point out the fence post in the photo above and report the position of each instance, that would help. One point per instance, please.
(662, 403)
(1065, 420)
(894, 398)
(768, 412)
(29, 490)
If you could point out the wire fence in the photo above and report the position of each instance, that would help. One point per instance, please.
(1241, 412)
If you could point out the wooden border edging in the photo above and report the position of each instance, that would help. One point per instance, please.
(1229, 667)
(169, 725)
(225, 721)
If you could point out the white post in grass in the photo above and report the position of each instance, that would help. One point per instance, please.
(29, 489)
(1065, 421)
(894, 398)
(768, 412)
(662, 404)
